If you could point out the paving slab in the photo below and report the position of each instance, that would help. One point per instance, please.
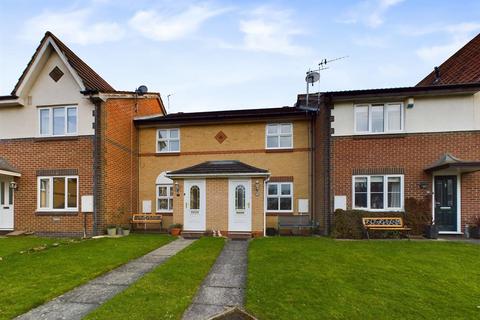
(224, 286)
(82, 300)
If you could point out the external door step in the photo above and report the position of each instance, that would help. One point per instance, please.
(240, 235)
(16, 233)
(192, 234)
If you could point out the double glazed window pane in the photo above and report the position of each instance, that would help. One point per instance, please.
(240, 198)
(71, 120)
(58, 193)
(44, 121)
(377, 119)
(58, 121)
(279, 196)
(165, 198)
(195, 198)
(376, 192)
(361, 118)
(272, 141)
(394, 117)
(361, 192)
(72, 193)
(394, 192)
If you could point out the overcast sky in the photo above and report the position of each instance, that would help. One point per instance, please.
(213, 55)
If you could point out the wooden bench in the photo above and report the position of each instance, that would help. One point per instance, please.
(295, 221)
(147, 218)
(384, 224)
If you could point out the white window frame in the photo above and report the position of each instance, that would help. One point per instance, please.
(385, 192)
(386, 130)
(50, 121)
(278, 196)
(168, 197)
(279, 135)
(50, 195)
(167, 140)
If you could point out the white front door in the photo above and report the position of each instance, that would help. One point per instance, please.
(239, 205)
(194, 198)
(6, 203)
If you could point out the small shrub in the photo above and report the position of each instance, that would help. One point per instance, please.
(418, 214)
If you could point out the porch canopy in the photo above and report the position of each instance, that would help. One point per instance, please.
(219, 168)
(448, 161)
(7, 169)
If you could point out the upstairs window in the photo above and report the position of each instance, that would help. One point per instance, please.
(378, 192)
(379, 118)
(57, 121)
(279, 136)
(168, 140)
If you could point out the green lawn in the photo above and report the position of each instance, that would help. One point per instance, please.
(166, 292)
(319, 278)
(34, 277)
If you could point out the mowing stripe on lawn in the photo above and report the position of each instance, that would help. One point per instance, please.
(167, 291)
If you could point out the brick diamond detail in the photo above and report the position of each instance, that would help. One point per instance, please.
(56, 74)
(220, 137)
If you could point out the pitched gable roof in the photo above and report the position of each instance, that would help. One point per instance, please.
(91, 80)
(462, 67)
(219, 167)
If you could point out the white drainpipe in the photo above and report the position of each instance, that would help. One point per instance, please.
(265, 206)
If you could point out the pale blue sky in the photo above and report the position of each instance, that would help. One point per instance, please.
(214, 55)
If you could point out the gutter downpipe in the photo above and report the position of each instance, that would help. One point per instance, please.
(265, 206)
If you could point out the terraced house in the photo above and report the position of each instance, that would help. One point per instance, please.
(77, 155)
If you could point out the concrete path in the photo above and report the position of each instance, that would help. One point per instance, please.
(80, 301)
(225, 284)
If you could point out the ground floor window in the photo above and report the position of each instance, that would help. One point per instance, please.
(378, 192)
(58, 193)
(279, 196)
(165, 198)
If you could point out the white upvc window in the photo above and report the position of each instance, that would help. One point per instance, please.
(57, 121)
(168, 140)
(165, 198)
(280, 196)
(57, 193)
(379, 118)
(279, 136)
(378, 192)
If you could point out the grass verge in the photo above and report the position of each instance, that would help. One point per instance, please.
(166, 292)
(35, 277)
(312, 278)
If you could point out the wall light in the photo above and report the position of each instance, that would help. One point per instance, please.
(257, 187)
(177, 189)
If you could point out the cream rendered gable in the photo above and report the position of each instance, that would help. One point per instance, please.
(22, 121)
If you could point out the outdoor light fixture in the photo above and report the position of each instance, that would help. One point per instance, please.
(177, 189)
(423, 185)
(257, 187)
(410, 103)
(13, 185)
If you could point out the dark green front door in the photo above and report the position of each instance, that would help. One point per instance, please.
(446, 203)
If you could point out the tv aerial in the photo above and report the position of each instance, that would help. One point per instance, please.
(314, 76)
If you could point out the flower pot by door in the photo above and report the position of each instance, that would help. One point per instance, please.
(175, 231)
(111, 231)
(431, 232)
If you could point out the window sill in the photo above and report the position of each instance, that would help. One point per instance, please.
(279, 213)
(56, 213)
(165, 213)
(388, 135)
(380, 210)
(279, 150)
(163, 154)
(55, 138)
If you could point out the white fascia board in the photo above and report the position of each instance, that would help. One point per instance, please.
(18, 102)
(10, 173)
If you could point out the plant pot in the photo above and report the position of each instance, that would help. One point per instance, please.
(112, 231)
(126, 232)
(431, 232)
(175, 231)
(475, 232)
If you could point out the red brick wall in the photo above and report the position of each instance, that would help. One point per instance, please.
(119, 190)
(412, 153)
(30, 155)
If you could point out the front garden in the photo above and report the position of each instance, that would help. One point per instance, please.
(321, 278)
(35, 270)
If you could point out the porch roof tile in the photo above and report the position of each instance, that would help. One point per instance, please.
(219, 167)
